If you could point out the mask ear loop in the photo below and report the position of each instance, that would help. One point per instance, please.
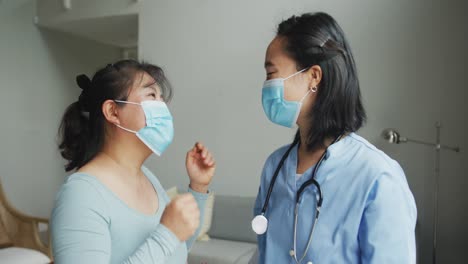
(300, 104)
(121, 127)
(295, 74)
(126, 129)
(126, 102)
(308, 92)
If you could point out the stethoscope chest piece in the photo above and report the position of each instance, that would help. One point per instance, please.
(260, 224)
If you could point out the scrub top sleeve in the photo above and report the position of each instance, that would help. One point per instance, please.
(386, 233)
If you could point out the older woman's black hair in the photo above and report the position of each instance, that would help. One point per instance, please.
(83, 128)
(317, 39)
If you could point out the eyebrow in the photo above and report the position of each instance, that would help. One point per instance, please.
(152, 87)
(148, 85)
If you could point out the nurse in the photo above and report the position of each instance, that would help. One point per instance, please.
(367, 211)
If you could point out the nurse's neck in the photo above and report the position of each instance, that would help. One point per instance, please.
(306, 157)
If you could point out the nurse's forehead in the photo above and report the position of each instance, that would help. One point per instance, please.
(278, 61)
(276, 54)
(277, 45)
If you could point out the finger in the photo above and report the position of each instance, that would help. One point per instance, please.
(191, 152)
(212, 163)
(194, 153)
(186, 197)
(194, 209)
(190, 209)
(208, 158)
(204, 153)
(197, 156)
(199, 146)
(194, 150)
(189, 206)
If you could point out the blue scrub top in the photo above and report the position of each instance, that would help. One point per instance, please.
(368, 213)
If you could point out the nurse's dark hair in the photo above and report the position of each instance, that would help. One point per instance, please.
(317, 39)
(82, 131)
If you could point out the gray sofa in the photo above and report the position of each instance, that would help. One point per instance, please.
(232, 239)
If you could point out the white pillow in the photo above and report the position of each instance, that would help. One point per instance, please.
(14, 255)
(203, 236)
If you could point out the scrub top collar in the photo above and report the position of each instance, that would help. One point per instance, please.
(334, 151)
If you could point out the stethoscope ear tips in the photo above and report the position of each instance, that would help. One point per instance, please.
(259, 224)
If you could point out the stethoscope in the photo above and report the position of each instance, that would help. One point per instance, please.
(260, 222)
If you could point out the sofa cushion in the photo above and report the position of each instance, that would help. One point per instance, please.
(221, 252)
(16, 255)
(232, 218)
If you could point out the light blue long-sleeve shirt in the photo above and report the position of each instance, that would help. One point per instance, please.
(90, 224)
(368, 213)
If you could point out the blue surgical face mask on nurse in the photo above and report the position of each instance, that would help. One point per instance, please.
(276, 107)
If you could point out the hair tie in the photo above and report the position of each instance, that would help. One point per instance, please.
(85, 84)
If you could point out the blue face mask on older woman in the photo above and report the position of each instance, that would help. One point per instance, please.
(159, 130)
(277, 109)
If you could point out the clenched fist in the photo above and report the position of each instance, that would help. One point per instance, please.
(182, 216)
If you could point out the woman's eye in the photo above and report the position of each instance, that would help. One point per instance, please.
(152, 95)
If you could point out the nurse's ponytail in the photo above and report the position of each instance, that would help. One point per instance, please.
(82, 130)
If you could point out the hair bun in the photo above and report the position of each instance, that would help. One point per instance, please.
(83, 81)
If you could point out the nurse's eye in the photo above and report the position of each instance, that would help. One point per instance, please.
(152, 95)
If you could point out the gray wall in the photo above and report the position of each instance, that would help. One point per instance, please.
(411, 58)
(37, 72)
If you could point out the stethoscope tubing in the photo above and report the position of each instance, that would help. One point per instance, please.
(311, 181)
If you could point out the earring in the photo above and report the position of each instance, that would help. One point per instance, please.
(314, 89)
